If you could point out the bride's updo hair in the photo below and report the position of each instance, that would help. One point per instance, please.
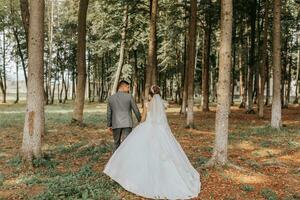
(154, 89)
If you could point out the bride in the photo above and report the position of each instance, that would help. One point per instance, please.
(150, 162)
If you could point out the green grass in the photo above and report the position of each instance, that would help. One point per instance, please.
(201, 161)
(268, 194)
(15, 161)
(46, 161)
(247, 188)
(2, 178)
(83, 184)
(15, 114)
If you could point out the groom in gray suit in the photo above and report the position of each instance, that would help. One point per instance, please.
(119, 113)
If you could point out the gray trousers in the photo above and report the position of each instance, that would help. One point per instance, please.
(119, 135)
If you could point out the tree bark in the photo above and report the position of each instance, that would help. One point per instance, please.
(81, 63)
(264, 53)
(297, 73)
(191, 63)
(221, 127)
(251, 59)
(17, 80)
(122, 50)
(34, 126)
(135, 75)
(24, 6)
(276, 100)
(151, 69)
(206, 63)
(3, 85)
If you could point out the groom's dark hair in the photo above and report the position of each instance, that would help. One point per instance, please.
(123, 82)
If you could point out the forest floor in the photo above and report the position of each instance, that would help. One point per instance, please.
(74, 157)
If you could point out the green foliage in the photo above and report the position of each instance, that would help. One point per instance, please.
(15, 161)
(2, 178)
(84, 184)
(94, 151)
(45, 161)
(201, 161)
(247, 188)
(268, 194)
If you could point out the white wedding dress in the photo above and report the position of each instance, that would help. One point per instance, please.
(151, 163)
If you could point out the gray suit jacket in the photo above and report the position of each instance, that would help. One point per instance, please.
(119, 109)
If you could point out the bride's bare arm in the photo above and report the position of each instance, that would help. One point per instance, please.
(144, 114)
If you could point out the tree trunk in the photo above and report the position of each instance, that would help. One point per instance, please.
(24, 6)
(135, 75)
(50, 61)
(267, 76)
(81, 65)
(276, 101)
(297, 73)
(289, 78)
(17, 80)
(3, 73)
(191, 63)
(185, 80)
(242, 70)
(221, 127)
(206, 63)
(34, 125)
(122, 50)
(251, 60)
(264, 53)
(151, 77)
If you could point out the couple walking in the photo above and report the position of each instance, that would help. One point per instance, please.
(149, 162)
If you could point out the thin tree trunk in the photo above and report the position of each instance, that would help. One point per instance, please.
(264, 53)
(50, 61)
(242, 70)
(220, 156)
(34, 126)
(276, 101)
(135, 75)
(268, 83)
(297, 73)
(17, 80)
(81, 65)
(122, 50)
(191, 63)
(3, 73)
(185, 81)
(289, 77)
(251, 60)
(206, 63)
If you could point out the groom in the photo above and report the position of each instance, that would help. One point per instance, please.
(119, 113)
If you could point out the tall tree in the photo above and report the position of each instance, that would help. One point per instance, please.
(3, 86)
(276, 100)
(262, 66)
(122, 49)
(34, 126)
(81, 63)
(191, 62)
(206, 55)
(24, 5)
(219, 156)
(251, 69)
(151, 68)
